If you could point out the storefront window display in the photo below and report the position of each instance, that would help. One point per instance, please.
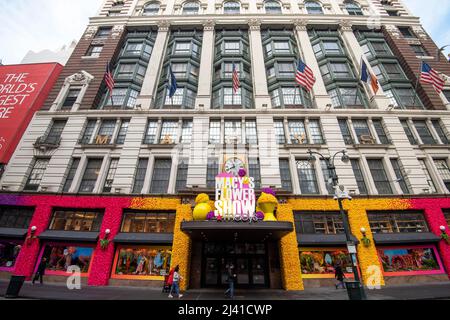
(142, 262)
(320, 263)
(60, 257)
(9, 251)
(410, 260)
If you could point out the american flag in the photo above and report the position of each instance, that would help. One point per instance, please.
(109, 79)
(431, 76)
(305, 76)
(236, 81)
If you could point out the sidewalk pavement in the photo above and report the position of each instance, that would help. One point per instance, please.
(433, 291)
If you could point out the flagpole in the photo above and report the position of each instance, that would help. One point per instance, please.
(417, 82)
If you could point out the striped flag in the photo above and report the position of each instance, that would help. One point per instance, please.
(236, 81)
(431, 76)
(367, 76)
(173, 86)
(305, 76)
(109, 79)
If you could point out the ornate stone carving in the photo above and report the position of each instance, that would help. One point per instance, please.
(117, 31)
(254, 24)
(300, 25)
(163, 25)
(420, 32)
(345, 25)
(90, 32)
(393, 30)
(209, 25)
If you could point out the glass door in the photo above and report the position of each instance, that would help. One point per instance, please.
(258, 271)
(211, 268)
(242, 271)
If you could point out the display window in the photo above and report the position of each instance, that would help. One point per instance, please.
(142, 262)
(411, 260)
(60, 257)
(320, 262)
(9, 251)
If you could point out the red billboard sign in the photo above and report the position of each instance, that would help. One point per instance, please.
(23, 90)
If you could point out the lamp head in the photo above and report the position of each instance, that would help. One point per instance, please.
(107, 231)
(442, 228)
(345, 158)
(312, 157)
(33, 229)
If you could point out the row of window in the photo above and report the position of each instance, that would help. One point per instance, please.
(316, 222)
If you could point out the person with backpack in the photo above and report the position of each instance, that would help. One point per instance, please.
(176, 278)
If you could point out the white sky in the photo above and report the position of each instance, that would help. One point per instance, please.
(50, 24)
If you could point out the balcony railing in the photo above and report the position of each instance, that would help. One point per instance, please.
(46, 142)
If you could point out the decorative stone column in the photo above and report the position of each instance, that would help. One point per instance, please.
(261, 92)
(148, 92)
(319, 92)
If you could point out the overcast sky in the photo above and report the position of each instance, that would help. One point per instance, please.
(50, 24)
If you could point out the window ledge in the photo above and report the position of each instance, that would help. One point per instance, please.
(100, 146)
(89, 57)
(373, 146)
(160, 146)
(434, 146)
(303, 146)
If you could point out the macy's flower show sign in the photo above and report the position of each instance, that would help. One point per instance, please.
(235, 198)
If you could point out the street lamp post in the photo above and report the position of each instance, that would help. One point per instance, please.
(340, 195)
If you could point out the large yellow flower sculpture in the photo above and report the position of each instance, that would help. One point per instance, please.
(268, 203)
(202, 207)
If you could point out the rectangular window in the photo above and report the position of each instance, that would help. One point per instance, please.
(307, 177)
(340, 70)
(285, 174)
(379, 128)
(233, 131)
(54, 135)
(60, 257)
(161, 176)
(408, 132)
(379, 176)
(424, 132)
(316, 132)
(148, 222)
(15, 217)
(279, 131)
(327, 177)
(231, 98)
(419, 50)
(179, 70)
(9, 252)
(281, 47)
(71, 98)
(212, 172)
(440, 131)
(186, 134)
(71, 174)
(113, 165)
(345, 131)
(214, 131)
(105, 132)
(380, 48)
(406, 32)
(359, 176)
(400, 175)
(169, 132)
(319, 223)
(297, 132)
(414, 260)
(182, 47)
(36, 174)
(122, 132)
(140, 174)
(182, 175)
(91, 174)
(319, 262)
(254, 169)
(427, 174)
(393, 71)
(94, 51)
(251, 134)
(76, 220)
(443, 171)
(363, 132)
(88, 131)
(151, 132)
(232, 47)
(397, 222)
(332, 47)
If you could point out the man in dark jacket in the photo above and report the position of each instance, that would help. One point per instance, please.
(40, 271)
(339, 275)
(231, 280)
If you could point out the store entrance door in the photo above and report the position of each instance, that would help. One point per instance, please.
(249, 260)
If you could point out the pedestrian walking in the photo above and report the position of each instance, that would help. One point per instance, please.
(339, 275)
(40, 271)
(175, 289)
(231, 281)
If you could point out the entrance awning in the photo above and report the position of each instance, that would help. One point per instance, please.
(13, 233)
(325, 240)
(406, 238)
(144, 238)
(236, 231)
(69, 236)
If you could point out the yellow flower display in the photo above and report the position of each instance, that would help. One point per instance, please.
(291, 272)
(202, 207)
(182, 244)
(268, 203)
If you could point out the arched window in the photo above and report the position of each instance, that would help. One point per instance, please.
(272, 7)
(231, 7)
(313, 7)
(353, 9)
(151, 8)
(191, 7)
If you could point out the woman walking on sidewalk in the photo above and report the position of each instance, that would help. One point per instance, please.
(40, 271)
(176, 283)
